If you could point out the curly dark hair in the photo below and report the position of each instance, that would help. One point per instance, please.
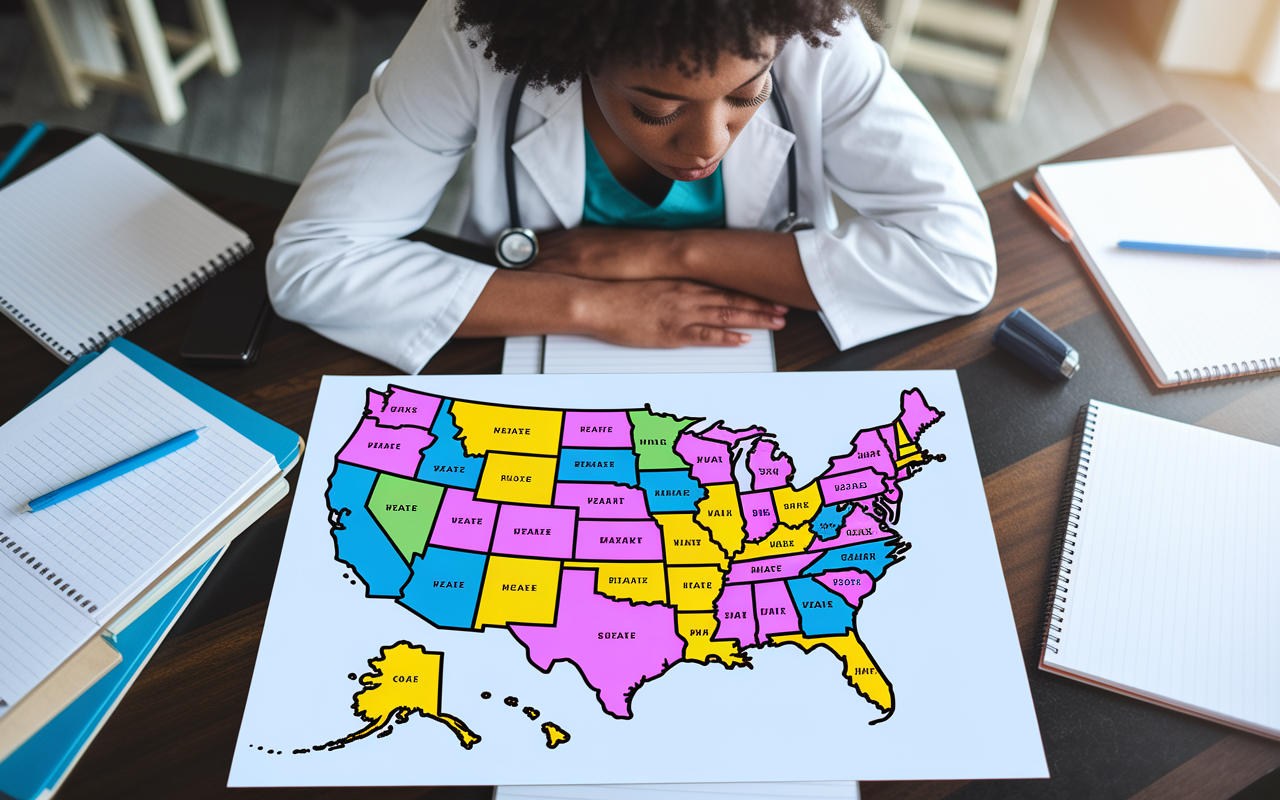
(556, 42)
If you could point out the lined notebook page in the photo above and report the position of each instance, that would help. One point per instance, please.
(1188, 313)
(95, 242)
(38, 632)
(109, 543)
(1177, 568)
(558, 354)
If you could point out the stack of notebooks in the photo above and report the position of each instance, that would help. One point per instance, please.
(90, 585)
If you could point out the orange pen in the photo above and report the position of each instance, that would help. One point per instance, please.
(1044, 212)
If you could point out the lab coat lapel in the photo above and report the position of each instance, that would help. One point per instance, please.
(752, 168)
(554, 154)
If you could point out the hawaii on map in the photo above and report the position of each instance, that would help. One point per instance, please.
(622, 541)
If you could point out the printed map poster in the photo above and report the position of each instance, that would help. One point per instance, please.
(638, 579)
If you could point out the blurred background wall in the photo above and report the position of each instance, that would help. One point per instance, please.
(305, 62)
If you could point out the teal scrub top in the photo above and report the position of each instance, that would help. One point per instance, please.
(688, 204)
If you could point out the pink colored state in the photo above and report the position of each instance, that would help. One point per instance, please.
(769, 466)
(890, 440)
(757, 508)
(710, 460)
(394, 450)
(729, 436)
(859, 526)
(869, 450)
(851, 486)
(597, 429)
(768, 569)
(619, 540)
(851, 584)
(603, 501)
(916, 414)
(464, 522)
(534, 531)
(737, 615)
(615, 644)
(775, 611)
(403, 407)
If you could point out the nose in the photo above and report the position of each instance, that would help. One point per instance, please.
(705, 138)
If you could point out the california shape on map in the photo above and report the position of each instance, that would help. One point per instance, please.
(622, 541)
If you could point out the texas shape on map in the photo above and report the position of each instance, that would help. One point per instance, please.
(622, 541)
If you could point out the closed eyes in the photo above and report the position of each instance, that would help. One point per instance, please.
(737, 102)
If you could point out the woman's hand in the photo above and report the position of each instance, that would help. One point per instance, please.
(671, 313)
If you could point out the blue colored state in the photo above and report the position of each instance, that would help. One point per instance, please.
(830, 518)
(870, 557)
(445, 587)
(443, 462)
(360, 541)
(822, 611)
(598, 466)
(671, 490)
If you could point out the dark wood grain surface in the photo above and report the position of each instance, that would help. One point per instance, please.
(174, 732)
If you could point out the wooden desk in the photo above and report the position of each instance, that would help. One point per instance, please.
(174, 732)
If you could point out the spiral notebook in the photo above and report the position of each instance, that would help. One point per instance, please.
(1192, 318)
(96, 243)
(1167, 567)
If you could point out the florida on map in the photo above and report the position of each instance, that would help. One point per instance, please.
(622, 541)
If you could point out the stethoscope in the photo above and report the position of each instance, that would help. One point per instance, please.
(517, 246)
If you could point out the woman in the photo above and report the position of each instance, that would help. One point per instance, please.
(652, 164)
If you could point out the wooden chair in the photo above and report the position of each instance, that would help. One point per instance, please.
(85, 44)
(1021, 35)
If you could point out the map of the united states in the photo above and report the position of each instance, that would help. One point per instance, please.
(623, 541)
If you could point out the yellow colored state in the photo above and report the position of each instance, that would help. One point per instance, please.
(694, 588)
(782, 541)
(638, 581)
(405, 680)
(721, 513)
(556, 735)
(518, 479)
(519, 590)
(908, 451)
(697, 629)
(862, 674)
(797, 507)
(483, 427)
(686, 542)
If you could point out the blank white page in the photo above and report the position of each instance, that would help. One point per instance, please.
(1188, 313)
(1176, 568)
(109, 543)
(95, 242)
(583, 354)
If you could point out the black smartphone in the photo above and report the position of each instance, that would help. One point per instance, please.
(230, 321)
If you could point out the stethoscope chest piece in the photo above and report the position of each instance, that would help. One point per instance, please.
(516, 247)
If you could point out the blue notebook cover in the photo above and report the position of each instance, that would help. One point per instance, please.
(41, 762)
(273, 437)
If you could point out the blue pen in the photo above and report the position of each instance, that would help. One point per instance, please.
(114, 471)
(21, 149)
(1199, 249)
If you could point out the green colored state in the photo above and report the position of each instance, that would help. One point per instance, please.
(654, 437)
(406, 510)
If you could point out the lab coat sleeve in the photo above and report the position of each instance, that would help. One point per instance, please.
(921, 248)
(338, 264)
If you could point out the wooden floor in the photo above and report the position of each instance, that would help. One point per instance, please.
(302, 73)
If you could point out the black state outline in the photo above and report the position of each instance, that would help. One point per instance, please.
(462, 437)
(893, 699)
(632, 453)
(648, 409)
(786, 480)
(475, 609)
(386, 398)
(336, 525)
(693, 480)
(626, 413)
(373, 515)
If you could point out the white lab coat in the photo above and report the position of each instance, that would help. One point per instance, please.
(919, 251)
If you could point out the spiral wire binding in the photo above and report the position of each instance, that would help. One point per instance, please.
(1235, 369)
(1068, 527)
(154, 306)
(41, 570)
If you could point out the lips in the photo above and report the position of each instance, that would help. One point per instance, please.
(693, 174)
